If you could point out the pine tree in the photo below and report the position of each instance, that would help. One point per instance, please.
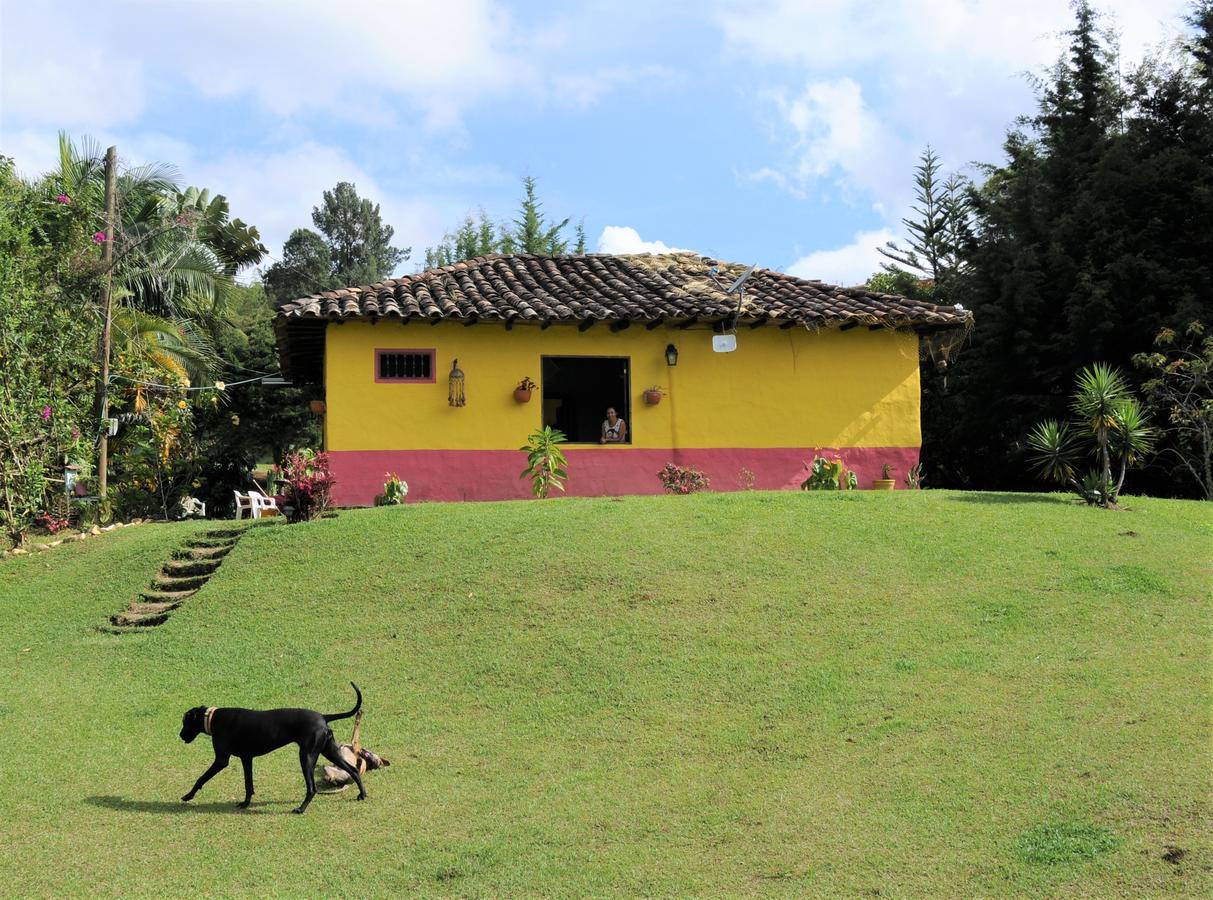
(1095, 233)
(472, 238)
(531, 232)
(935, 236)
(359, 242)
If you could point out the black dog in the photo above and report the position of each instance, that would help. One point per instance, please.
(254, 732)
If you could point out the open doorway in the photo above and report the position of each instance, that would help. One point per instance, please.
(577, 391)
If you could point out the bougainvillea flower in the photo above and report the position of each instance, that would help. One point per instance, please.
(63, 198)
(99, 237)
(46, 413)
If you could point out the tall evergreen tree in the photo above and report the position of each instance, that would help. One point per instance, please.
(531, 233)
(472, 238)
(936, 234)
(359, 242)
(1094, 234)
(352, 246)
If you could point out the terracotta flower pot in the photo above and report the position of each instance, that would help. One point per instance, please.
(652, 398)
(522, 396)
(317, 407)
(884, 484)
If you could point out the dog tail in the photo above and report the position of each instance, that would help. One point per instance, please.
(357, 706)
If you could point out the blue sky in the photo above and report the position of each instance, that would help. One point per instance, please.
(781, 132)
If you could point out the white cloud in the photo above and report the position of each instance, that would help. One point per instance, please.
(276, 192)
(848, 265)
(882, 80)
(50, 80)
(356, 60)
(587, 88)
(622, 239)
(921, 35)
(835, 136)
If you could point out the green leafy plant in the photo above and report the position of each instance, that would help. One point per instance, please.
(886, 471)
(1110, 423)
(546, 465)
(394, 490)
(914, 477)
(829, 475)
(1180, 394)
(526, 385)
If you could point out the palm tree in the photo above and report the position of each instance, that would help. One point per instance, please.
(176, 253)
(1111, 416)
(1101, 393)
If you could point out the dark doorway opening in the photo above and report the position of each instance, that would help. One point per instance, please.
(577, 391)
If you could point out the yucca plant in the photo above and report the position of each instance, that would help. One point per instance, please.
(1110, 416)
(546, 465)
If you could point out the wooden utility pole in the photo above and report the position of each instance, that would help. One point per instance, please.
(107, 258)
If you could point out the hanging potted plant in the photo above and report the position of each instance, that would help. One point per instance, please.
(653, 395)
(885, 482)
(522, 393)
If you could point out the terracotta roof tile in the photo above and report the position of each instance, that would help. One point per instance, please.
(644, 288)
(675, 288)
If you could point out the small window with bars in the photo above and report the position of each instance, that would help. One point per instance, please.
(404, 365)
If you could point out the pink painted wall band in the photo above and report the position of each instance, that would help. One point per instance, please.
(593, 472)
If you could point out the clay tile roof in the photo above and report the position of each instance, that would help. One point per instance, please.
(675, 288)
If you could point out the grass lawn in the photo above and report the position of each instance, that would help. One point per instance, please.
(786, 694)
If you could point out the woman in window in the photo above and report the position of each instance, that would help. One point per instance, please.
(614, 429)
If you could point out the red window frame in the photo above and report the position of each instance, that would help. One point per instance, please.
(429, 351)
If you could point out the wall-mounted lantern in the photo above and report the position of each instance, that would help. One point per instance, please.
(455, 396)
(671, 355)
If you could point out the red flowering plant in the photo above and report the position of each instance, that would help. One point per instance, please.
(307, 485)
(51, 522)
(682, 479)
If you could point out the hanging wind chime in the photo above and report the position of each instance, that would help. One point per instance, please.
(455, 396)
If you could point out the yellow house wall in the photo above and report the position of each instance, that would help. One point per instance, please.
(780, 388)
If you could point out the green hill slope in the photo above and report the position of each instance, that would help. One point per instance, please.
(909, 693)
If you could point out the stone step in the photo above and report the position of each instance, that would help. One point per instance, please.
(179, 583)
(211, 541)
(147, 609)
(234, 532)
(166, 596)
(183, 568)
(201, 553)
(128, 619)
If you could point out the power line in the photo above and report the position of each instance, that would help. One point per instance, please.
(209, 387)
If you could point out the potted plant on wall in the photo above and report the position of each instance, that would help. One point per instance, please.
(653, 395)
(885, 482)
(522, 393)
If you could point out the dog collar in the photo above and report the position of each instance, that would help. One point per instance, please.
(206, 718)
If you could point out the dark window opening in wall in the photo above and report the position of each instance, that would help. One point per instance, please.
(577, 391)
(404, 365)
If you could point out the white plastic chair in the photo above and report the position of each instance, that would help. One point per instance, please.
(261, 503)
(243, 502)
